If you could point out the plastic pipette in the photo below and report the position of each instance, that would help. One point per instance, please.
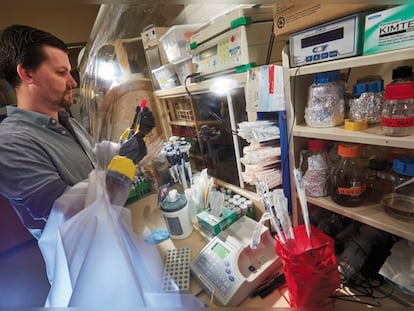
(274, 221)
(255, 240)
(280, 205)
(300, 188)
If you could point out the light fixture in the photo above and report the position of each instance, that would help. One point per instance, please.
(106, 70)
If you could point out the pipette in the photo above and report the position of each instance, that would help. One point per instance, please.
(185, 155)
(280, 205)
(300, 188)
(128, 133)
(274, 221)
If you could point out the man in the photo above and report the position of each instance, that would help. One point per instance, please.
(43, 150)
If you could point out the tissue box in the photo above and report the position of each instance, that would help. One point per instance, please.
(389, 29)
(211, 225)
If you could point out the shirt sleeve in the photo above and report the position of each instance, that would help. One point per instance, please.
(30, 181)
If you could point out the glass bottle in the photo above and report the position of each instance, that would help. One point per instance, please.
(348, 177)
(379, 181)
(397, 118)
(400, 202)
(326, 103)
(314, 166)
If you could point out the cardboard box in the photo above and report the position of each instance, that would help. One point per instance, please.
(290, 18)
(390, 29)
(211, 225)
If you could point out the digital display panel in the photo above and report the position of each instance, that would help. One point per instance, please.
(208, 53)
(328, 36)
(220, 250)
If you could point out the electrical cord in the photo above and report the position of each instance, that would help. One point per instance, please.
(192, 75)
(364, 289)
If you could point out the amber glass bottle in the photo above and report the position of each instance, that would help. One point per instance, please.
(348, 177)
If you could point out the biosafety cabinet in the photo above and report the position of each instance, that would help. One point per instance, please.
(190, 107)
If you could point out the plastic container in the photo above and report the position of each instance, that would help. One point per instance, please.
(183, 69)
(400, 202)
(326, 104)
(367, 102)
(175, 211)
(348, 177)
(166, 77)
(315, 166)
(397, 117)
(175, 41)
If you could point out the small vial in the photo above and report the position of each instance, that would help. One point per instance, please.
(244, 209)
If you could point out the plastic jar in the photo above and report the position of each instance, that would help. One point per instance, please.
(175, 211)
(400, 202)
(348, 177)
(326, 104)
(314, 166)
(397, 117)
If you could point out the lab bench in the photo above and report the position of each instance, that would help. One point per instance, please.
(145, 214)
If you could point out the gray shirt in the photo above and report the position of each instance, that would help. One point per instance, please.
(39, 160)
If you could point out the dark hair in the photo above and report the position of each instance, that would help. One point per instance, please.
(21, 44)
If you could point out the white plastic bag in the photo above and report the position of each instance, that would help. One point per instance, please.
(399, 266)
(94, 258)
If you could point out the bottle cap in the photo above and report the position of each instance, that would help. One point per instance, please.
(377, 164)
(375, 86)
(348, 151)
(317, 144)
(399, 91)
(326, 77)
(402, 72)
(355, 125)
(404, 166)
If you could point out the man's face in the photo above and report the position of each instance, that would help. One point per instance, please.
(52, 80)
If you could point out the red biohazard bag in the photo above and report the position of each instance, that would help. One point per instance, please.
(310, 268)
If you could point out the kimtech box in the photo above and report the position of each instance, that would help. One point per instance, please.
(390, 29)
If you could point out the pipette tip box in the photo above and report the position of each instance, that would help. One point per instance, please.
(212, 225)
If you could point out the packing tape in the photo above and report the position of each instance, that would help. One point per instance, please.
(355, 125)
